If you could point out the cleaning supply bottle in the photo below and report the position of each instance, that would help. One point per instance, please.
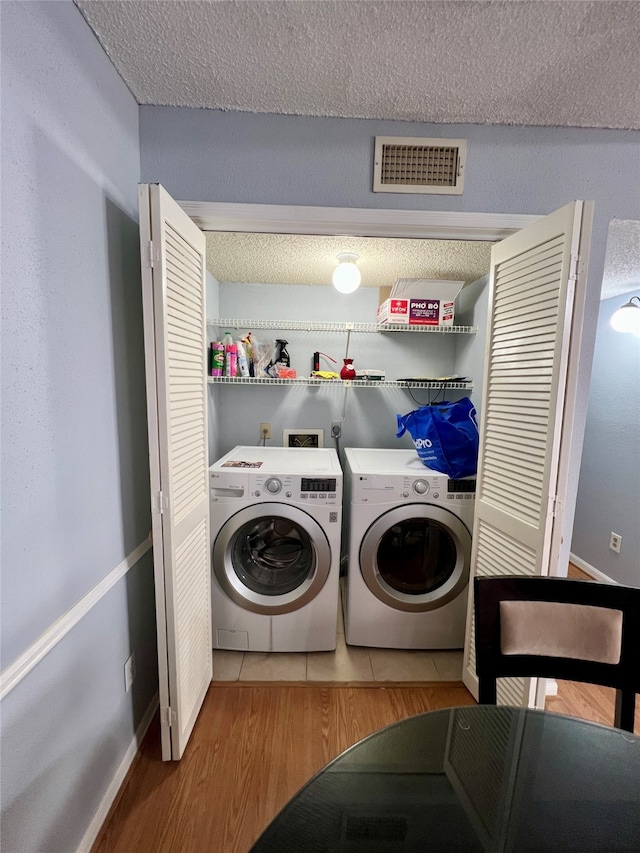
(282, 356)
(227, 341)
(246, 343)
(217, 359)
(230, 360)
(243, 363)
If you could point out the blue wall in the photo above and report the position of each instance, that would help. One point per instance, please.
(75, 462)
(368, 414)
(209, 155)
(75, 479)
(609, 485)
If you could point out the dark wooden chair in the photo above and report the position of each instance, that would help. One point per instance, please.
(558, 628)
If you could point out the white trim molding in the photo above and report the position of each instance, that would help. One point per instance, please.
(353, 221)
(596, 574)
(23, 665)
(114, 787)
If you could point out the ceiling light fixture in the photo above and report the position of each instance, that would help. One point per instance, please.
(346, 276)
(627, 317)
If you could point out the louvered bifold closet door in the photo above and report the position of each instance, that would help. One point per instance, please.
(173, 255)
(528, 338)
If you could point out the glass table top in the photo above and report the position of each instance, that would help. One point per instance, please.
(480, 778)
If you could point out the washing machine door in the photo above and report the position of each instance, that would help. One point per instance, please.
(271, 558)
(416, 557)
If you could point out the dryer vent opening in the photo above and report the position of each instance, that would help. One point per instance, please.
(405, 164)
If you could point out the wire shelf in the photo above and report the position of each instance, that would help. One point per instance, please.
(311, 326)
(338, 383)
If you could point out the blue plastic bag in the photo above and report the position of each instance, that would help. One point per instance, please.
(445, 436)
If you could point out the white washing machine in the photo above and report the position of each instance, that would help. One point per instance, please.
(275, 536)
(408, 534)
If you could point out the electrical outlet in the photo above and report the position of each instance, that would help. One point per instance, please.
(129, 672)
(265, 430)
(615, 542)
(336, 429)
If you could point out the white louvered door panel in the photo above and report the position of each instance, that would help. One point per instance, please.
(525, 423)
(173, 253)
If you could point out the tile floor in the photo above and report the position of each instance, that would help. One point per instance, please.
(346, 663)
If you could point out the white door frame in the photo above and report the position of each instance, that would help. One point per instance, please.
(356, 222)
(366, 222)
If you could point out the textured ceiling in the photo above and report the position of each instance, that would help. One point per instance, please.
(301, 259)
(295, 259)
(622, 261)
(549, 63)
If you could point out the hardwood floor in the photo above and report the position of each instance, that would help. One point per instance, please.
(589, 702)
(255, 744)
(253, 747)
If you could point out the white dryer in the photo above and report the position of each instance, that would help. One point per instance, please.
(275, 537)
(408, 534)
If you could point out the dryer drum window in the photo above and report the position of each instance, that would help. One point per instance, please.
(417, 556)
(272, 555)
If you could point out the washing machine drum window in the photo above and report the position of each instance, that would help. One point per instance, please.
(272, 555)
(416, 557)
(271, 558)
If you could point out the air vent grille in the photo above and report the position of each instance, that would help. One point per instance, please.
(415, 165)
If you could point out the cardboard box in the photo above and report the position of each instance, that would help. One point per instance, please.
(394, 311)
(421, 302)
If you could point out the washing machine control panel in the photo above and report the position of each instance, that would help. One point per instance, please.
(461, 490)
(430, 487)
(244, 485)
(273, 485)
(316, 490)
(421, 487)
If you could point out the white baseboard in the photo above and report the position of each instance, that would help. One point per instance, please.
(596, 574)
(112, 791)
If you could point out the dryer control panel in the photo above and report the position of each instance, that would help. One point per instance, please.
(293, 488)
(430, 487)
(461, 490)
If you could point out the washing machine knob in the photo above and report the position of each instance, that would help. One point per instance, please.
(273, 485)
(421, 487)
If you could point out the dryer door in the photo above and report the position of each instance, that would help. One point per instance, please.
(271, 558)
(416, 557)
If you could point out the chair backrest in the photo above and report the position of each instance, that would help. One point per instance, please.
(558, 628)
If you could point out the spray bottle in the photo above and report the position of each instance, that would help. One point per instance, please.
(243, 363)
(227, 341)
(282, 356)
(231, 360)
(246, 343)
